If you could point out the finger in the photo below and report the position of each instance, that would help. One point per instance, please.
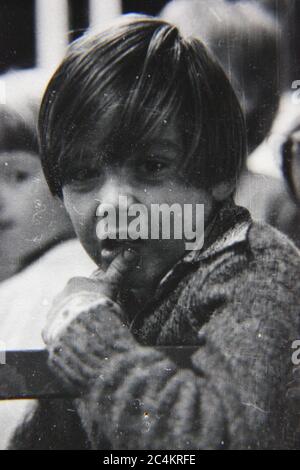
(98, 275)
(120, 266)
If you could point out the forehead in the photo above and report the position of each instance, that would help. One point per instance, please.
(19, 159)
(107, 138)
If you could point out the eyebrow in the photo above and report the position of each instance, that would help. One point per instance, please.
(90, 155)
(165, 142)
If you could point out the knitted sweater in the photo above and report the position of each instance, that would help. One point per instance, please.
(237, 303)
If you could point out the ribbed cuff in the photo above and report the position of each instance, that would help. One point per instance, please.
(78, 354)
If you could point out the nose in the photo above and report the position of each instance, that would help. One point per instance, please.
(116, 196)
(117, 193)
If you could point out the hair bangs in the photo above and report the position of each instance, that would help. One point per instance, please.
(122, 86)
(133, 81)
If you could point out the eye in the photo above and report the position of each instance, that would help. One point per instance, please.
(82, 179)
(21, 176)
(83, 174)
(153, 166)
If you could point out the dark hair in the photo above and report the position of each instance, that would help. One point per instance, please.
(17, 133)
(139, 64)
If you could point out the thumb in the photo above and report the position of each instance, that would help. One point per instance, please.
(118, 268)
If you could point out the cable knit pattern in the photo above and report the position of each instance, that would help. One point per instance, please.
(238, 304)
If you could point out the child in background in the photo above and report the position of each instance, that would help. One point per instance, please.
(139, 111)
(245, 39)
(38, 252)
(291, 171)
(31, 220)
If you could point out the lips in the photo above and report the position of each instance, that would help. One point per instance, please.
(112, 248)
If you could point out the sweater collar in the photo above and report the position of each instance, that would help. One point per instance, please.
(228, 229)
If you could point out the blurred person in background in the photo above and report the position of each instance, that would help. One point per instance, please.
(31, 220)
(37, 251)
(271, 157)
(283, 208)
(246, 39)
(291, 171)
(291, 163)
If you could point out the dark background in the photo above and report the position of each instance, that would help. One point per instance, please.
(17, 41)
(17, 36)
(17, 20)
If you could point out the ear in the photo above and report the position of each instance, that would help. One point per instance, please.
(222, 191)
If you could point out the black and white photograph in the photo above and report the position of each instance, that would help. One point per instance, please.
(149, 227)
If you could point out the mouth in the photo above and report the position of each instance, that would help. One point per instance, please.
(112, 248)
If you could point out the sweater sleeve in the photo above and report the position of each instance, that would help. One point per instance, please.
(232, 395)
(136, 396)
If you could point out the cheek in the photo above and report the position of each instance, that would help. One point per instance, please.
(157, 259)
(296, 168)
(82, 212)
(174, 192)
(33, 195)
(170, 251)
(24, 204)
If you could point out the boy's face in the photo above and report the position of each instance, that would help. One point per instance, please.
(25, 208)
(148, 176)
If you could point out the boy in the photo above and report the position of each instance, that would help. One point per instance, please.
(138, 111)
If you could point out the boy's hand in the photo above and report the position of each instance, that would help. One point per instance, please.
(106, 283)
(68, 305)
